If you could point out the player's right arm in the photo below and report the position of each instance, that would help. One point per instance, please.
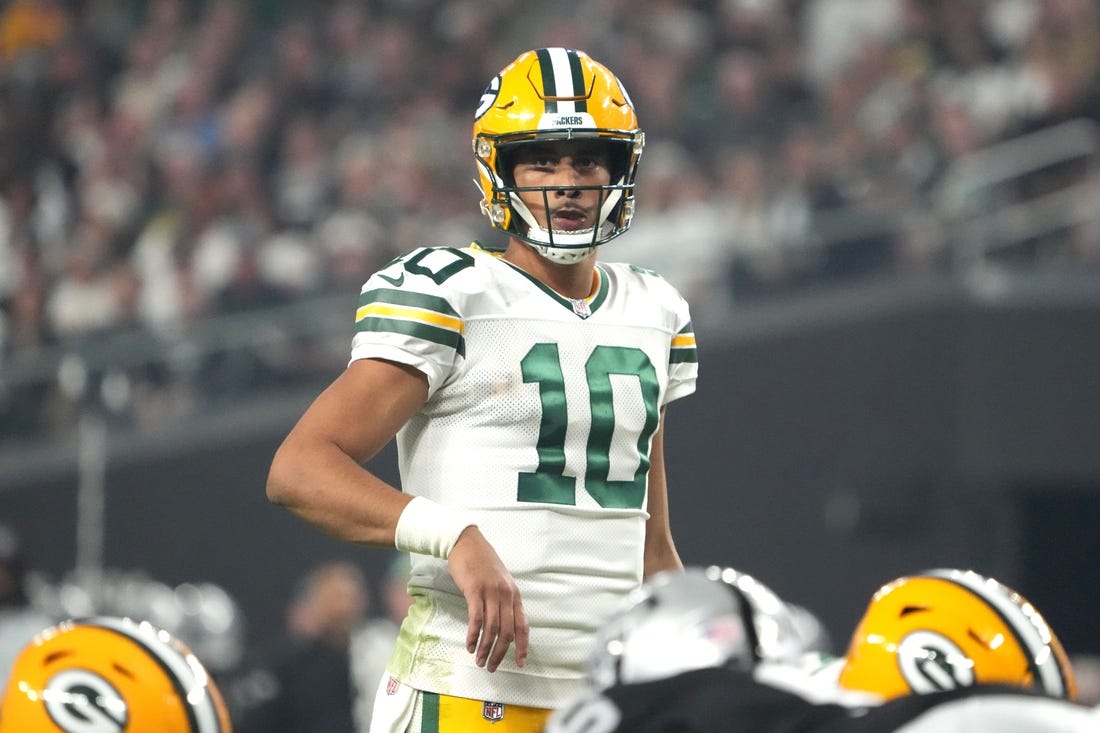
(318, 474)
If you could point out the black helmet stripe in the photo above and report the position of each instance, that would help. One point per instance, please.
(747, 609)
(562, 80)
(581, 105)
(1030, 633)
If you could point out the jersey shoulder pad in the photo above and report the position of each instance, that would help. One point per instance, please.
(424, 290)
(649, 280)
(427, 268)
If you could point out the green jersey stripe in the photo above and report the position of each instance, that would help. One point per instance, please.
(683, 356)
(407, 297)
(434, 334)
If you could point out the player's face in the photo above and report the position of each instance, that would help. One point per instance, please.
(564, 169)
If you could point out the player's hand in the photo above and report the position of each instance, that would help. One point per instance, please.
(496, 610)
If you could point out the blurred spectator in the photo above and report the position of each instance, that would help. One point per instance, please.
(311, 689)
(758, 262)
(678, 209)
(350, 235)
(19, 619)
(836, 30)
(302, 179)
(94, 294)
(29, 25)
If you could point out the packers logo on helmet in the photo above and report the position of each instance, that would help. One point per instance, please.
(946, 629)
(110, 675)
(929, 661)
(556, 94)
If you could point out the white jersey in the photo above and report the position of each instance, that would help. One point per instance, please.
(539, 421)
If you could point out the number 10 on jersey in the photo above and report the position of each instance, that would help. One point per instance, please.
(549, 482)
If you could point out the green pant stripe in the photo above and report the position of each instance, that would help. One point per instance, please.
(429, 712)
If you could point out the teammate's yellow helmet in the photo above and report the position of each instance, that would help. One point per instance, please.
(556, 94)
(109, 675)
(944, 629)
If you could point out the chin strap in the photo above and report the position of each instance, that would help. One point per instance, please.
(562, 256)
(574, 247)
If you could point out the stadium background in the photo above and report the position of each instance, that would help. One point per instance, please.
(884, 213)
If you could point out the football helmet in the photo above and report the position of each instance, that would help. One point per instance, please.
(692, 619)
(110, 674)
(944, 629)
(552, 94)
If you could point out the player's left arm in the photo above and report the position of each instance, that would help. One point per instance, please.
(660, 550)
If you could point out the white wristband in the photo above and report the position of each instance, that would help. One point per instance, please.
(428, 528)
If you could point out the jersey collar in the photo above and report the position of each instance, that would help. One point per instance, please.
(581, 307)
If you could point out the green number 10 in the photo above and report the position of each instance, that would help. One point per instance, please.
(548, 483)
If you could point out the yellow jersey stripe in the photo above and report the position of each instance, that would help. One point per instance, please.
(683, 340)
(419, 315)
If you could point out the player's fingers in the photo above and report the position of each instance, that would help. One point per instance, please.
(490, 628)
(476, 606)
(523, 630)
(506, 635)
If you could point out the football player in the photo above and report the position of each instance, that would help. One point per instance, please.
(527, 391)
(694, 619)
(946, 629)
(697, 680)
(108, 674)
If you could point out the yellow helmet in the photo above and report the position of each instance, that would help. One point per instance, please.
(110, 674)
(556, 94)
(944, 629)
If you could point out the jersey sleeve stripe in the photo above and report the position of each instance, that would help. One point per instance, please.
(383, 310)
(442, 336)
(683, 340)
(683, 347)
(406, 297)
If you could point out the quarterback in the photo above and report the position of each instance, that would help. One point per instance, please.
(526, 390)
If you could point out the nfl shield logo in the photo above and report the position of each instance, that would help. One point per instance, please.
(492, 711)
(580, 307)
(391, 686)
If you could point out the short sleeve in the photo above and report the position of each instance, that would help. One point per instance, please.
(409, 319)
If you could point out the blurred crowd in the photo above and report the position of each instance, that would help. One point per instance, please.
(167, 161)
(319, 674)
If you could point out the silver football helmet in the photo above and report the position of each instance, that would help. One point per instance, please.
(680, 621)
